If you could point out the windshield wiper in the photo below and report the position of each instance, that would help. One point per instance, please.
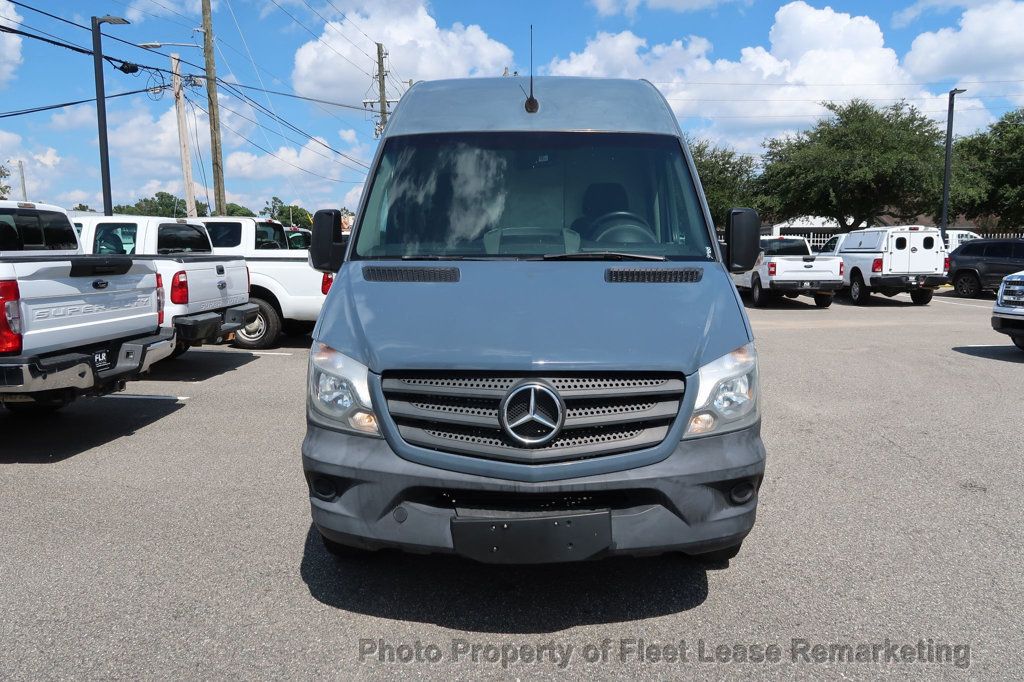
(431, 257)
(602, 255)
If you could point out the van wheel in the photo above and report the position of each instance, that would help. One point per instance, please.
(719, 556)
(758, 296)
(967, 285)
(921, 296)
(823, 300)
(859, 293)
(1018, 341)
(263, 332)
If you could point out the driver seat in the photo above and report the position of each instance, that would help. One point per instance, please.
(600, 198)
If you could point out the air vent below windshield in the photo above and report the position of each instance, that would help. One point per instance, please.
(377, 273)
(653, 275)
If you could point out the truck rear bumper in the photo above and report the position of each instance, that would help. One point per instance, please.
(701, 498)
(805, 286)
(1013, 325)
(205, 327)
(77, 372)
(907, 282)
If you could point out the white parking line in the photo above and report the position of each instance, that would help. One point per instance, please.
(141, 396)
(969, 305)
(269, 352)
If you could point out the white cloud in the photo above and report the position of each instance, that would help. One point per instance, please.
(139, 10)
(813, 55)
(351, 200)
(348, 136)
(48, 158)
(71, 118)
(418, 49)
(10, 45)
(629, 7)
(985, 46)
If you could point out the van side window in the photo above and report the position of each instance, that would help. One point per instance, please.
(181, 238)
(115, 238)
(929, 243)
(33, 230)
(998, 250)
(225, 235)
(901, 243)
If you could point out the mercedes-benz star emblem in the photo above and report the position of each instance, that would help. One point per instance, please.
(532, 414)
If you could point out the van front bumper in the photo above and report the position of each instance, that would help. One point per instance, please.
(77, 372)
(907, 282)
(206, 327)
(364, 495)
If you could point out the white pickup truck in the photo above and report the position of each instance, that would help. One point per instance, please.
(891, 260)
(207, 294)
(1008, 312)
(288, 292)
(787, 267)
(70, 324)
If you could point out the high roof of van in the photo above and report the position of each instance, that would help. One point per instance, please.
(566, 104)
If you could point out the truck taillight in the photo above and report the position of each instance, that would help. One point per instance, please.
(179, 288)
(876, 265)
(326, 282)
(945, 264)
(159, 299)
(842, 268)
(10, 317)
(772, 269)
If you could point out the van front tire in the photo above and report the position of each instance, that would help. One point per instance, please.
(264, 332)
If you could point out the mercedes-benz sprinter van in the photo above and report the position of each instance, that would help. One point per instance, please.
(532, 350)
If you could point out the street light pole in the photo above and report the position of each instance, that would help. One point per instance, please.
(944, 223)
(101, 106)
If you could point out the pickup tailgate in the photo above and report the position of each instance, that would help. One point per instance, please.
(215, 282)
(818, 269)
(84, 300)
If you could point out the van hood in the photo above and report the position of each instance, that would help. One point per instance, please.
(530, 315)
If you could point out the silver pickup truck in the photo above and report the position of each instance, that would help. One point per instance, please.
(70, 324)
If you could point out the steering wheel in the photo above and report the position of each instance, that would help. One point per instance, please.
(627, 228)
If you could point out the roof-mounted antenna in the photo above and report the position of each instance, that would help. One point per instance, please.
(532, 105)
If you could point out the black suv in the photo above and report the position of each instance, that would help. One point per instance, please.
(981, 264)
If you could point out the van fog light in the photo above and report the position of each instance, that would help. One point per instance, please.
(363, 421)
(701, 423)
(741, 492)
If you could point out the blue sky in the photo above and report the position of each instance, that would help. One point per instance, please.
(734, 70)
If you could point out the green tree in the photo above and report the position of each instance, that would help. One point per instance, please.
(1000, 154)
(859, 165)
(275, 209)
(81, 207)
(5, 189)
(728, 178)
(239, 210)
(163, 204)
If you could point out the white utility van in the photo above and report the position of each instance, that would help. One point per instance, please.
(891, 260)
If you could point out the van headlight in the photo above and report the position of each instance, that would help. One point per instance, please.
(727, 395)
(339, 392)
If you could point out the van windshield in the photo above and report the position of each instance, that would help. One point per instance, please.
(514, 194)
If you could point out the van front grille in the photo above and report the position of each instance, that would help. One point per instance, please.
(602, 414)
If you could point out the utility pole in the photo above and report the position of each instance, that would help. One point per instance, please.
(21, 171)
(186, 158)
(944, 223)
(101, 106)
(382, 102)
(214, 109)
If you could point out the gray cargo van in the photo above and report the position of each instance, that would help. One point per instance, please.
(532, 350)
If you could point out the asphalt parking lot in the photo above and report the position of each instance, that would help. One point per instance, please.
(164, 532)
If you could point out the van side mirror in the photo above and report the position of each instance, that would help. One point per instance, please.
(327, 244)
(743, 239)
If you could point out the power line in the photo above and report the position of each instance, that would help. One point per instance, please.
(831, 85)
(49, 107)
(199, 152)
(319, 39)
(336, 30)
(270, 153)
